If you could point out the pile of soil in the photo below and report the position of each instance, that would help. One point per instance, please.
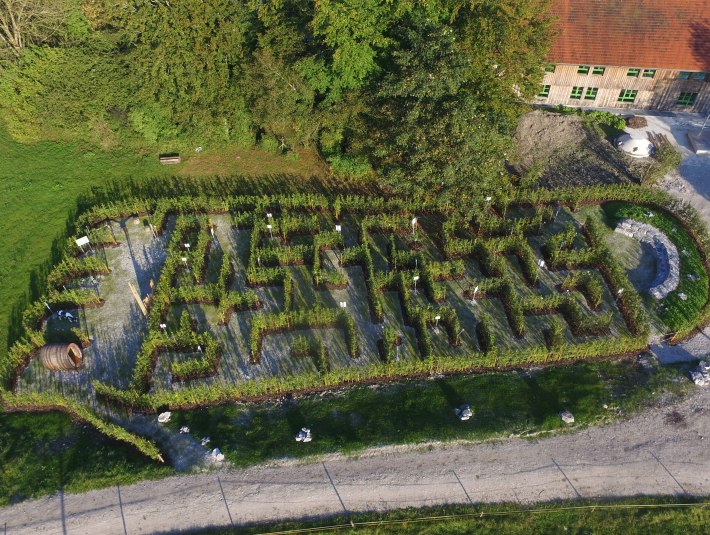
(570, 153)
(636, 122)
(540, 134)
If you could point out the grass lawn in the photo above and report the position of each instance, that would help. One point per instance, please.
(504, 403)
(41, 453)
(670, 515)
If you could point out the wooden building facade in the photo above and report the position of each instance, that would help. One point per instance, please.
(626, 87)
(652, 54)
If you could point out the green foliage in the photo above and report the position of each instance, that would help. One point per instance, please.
(349, 166)
(588, 284)
(270, 144)
(28, 401)
(71, 268)
(426, 94)
(667, 159)
(445, 107)
(48, 451)
(62, 92)
(151, 123)
(555, 336)
(613, 122)
(300, 346)
(184, 59)
(486, 336)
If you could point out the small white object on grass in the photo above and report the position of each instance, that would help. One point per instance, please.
(164, 417)
(463, 412)
(184, 429)
(205, 441)
(217, 455)
(304, 435)
(567, 417)
(682, 296)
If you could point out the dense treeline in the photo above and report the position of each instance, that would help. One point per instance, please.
(423, 91)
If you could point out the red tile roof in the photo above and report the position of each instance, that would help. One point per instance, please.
(660, 34)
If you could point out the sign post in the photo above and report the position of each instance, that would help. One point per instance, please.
(84, 240)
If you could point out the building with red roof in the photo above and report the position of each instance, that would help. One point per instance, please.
(652, 54)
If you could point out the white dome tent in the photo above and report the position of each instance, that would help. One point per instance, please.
(638, 147)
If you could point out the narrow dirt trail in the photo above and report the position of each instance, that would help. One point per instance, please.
(662, 451)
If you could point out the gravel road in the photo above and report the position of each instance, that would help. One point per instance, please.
(661, 451)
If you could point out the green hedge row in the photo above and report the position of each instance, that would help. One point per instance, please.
(263, 324)
(202, 395)
(42, 401)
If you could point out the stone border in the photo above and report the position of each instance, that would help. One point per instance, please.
(668, 262)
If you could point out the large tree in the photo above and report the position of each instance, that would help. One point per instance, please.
(453, 90)
(185, 57)
(25, 23)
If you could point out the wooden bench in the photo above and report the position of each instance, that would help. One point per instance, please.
(169, 159)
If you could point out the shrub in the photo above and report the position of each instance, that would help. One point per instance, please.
(605, 119)
(349, 166)
(554, 336)
(667, 159)
(300, 347)
(485, 335)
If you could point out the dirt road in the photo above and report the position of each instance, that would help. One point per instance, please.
(662, 451)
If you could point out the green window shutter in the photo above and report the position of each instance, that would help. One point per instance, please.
(583, 69)
(544, 92)
(576, 93)
(686, 99)
(598, 71)
(627, 95)
(633, 72)
(591, 93)
(649, 73)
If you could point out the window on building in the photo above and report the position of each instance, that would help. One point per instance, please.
(550, 67)
(649, 73)
(598, 71)
(633, 72)
(700, 76)
(576, 93)
(627, 95)
(591, 93)
(686, 99)
(545, 92)
(684, 75)
(583, 69)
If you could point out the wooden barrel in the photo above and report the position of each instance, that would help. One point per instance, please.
(61, 357)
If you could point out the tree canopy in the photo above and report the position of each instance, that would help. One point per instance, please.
(422, 92)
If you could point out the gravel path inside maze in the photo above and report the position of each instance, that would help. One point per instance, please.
(117, 328)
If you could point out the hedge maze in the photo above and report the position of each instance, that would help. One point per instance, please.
(256, 296)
